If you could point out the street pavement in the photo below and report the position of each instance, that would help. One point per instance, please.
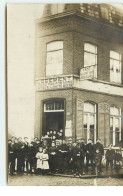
(39, 180)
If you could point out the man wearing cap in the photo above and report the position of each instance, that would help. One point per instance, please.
(100, 147)
(90, 152)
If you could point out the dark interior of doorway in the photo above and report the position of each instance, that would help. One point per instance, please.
(52, 120)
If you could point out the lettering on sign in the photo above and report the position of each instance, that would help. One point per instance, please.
(54, 83)
(87, 73)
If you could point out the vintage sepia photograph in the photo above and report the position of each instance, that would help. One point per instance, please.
(65, 94)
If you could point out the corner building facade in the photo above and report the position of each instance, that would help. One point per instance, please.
(79, 72)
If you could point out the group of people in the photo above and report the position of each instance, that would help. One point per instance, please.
(47, 156)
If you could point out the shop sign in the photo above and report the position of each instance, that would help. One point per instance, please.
(87, 73)
(54, 83)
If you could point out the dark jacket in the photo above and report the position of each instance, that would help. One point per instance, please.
(100, 147)
(110, 154)
(90, 150)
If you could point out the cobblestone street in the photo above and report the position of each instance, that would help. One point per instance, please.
(38, 180)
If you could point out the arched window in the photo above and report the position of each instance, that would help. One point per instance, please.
(115, 67)
(54, 62)
(90, 121)
(90, 57)
(115, 125)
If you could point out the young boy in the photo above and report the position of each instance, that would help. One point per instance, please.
(109, 158)
(97, 160)
(117, 160)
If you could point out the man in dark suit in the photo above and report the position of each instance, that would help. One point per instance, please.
(53, 157)
(100, 147)
(90, 152)
(11, 156)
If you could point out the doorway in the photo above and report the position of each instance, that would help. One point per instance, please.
(53, 116)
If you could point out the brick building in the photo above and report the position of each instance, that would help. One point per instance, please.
(79, 72)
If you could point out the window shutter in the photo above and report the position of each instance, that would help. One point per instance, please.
(79, 118)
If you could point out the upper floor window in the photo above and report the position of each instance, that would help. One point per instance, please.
(115, 67)
(57, 8)
(90, 57)
(54, 62)
(115, 125)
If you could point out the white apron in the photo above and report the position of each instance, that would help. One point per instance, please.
(39, 156)
(45, 164)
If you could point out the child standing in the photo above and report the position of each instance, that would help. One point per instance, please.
(109, 158)
(39, 157)
(97, 160)
(45, 162)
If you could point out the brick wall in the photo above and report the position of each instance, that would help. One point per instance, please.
(70, 97)
(74, 31)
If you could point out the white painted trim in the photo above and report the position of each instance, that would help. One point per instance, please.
(99, 87)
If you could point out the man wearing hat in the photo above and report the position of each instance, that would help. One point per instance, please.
(90, 152)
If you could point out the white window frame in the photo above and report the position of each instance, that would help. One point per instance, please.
(114, 131)
(92, 53)
(95, 121)
(54, 102)
(115, 75)
(52, 47)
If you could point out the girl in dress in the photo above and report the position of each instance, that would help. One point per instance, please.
(39, 157)
(45, 162)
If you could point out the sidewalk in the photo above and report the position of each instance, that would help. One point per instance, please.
(89, 175)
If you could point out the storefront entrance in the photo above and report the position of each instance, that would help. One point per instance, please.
(53, 116)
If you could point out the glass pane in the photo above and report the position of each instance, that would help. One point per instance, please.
(88, 107)
(57, 45)
(91, 119)
(54, 8)
(54, 63)
(59, 105)
(115, 55)
(111, 137)
(90, 48)
(116, 120)
(85, 135)
(85, 118)
(89, 59)
(111, 121)
(116, 138)
(55, 57)
(114, 111)
(92, 134)
(112, 76)
(61, 8)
